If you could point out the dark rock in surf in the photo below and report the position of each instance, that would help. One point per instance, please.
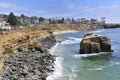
(92, 43)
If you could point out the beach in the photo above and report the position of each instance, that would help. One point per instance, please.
(64, 31)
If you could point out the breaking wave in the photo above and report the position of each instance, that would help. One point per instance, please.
(88, 55)
(57, 65)
(71, 40)
(104, 67)
(58, 69)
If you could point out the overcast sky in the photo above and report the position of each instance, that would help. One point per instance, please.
(64, 8)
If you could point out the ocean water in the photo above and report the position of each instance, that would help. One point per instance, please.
(70, 65)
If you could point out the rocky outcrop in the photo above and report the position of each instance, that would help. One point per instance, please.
(28, 65)
(93, 43)
(107, 26)
(26, 56)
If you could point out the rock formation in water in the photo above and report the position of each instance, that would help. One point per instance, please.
(92, 43)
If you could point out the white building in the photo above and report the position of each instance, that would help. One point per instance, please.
(5, 27)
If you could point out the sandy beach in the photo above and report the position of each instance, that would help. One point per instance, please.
(65, 31)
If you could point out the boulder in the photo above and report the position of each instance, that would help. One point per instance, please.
(93, 43)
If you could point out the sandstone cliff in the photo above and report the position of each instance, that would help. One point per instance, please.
(24, 54)
(62, 27)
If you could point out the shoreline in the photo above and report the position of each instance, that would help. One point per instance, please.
(29, 59)
(65, 31)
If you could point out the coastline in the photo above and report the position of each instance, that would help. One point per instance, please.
(35, 36)
(65, 31)
(33, 62)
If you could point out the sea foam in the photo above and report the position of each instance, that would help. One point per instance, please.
(51, 51)
(88, 55)
(57, 65)
(97, 31)
(58, 69)
(71, 40)
(104, 67)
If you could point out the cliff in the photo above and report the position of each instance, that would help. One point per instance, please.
(24, 54)
(107, 26)
(15, 38)
(62, 27)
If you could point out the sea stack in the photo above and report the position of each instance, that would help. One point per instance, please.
(93, 43)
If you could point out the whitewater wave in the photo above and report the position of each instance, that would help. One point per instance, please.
(98, 31)
(51, 51)
(72, 75)
(114, 64)
(88, 55)
(58, 69)
(71, 40)
(104, 67)
(97, 69)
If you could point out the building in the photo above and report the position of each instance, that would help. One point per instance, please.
(78, 20)
(94, 21)
(68, 21)
(3, 23)
(83, 21)
(46, 21)
(103, 20)
(34, 20)
(3, 17)
(27, 20)
(3, 20)
(5, 27)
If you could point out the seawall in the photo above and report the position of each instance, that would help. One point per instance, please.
(24, 54)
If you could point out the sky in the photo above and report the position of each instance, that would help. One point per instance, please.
(64, 8)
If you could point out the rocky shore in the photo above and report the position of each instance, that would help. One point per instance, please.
(32, 60)
(24, 53)
(28, 65)
(108, 26)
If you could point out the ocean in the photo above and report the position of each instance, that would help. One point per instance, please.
(71, 65)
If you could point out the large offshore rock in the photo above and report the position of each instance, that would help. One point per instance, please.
(92, 43)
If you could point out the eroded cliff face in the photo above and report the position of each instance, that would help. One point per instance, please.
(17, 38)
(62, 27)
(24, 53)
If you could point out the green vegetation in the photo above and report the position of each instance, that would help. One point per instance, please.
(20, 48)
(12, 19)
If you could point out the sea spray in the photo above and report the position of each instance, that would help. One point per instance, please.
(71, 40)
(58, 69)
(88, 55)
(51, 51)
(57, 64)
